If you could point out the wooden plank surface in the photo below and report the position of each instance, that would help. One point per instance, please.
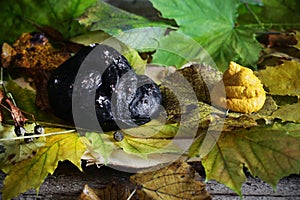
(67, 183)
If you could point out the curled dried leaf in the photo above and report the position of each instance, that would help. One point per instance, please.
(32, 50)
(88, 194)
(112, 190)
(240, 90)
(7, 54)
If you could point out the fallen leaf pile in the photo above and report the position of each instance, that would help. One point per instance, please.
(283, 81)
(260, 131)
(241, 143)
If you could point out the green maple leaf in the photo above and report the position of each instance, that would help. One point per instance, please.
(269, 152)
(135, 31)
(112, 20)
(213, 25)
(30, 173)
(60, 15)
(176, 49)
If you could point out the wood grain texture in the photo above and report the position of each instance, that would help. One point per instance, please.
(68, 182)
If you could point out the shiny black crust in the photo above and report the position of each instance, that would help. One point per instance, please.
(123, 99)
(60, 84)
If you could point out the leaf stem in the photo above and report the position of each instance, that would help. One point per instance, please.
(254, 15)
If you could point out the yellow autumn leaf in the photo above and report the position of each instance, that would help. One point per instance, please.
(145, 146)
(288, 113)
(15, 151)
(175, 181)
(138, 64)
(153, 137)
(269, 152)
(282, 79)
(30, 173)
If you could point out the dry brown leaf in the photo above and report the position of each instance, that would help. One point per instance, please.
(278, 39)
(32, 50)
(110, 191)
(88, 194)
(38, 58)
(7, 54)
(176, 181)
